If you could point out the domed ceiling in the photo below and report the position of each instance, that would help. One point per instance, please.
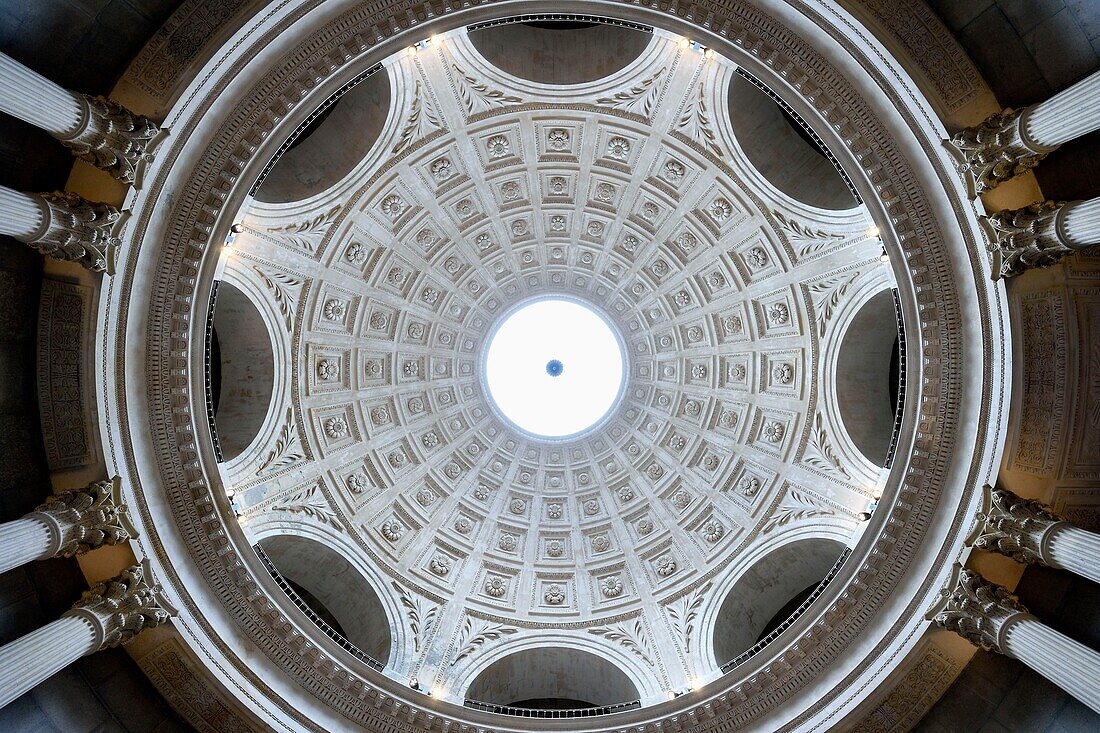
(345, 210)
(632, 195)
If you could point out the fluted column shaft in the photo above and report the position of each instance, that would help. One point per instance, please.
(990, 617)
(1079, 223)
(1029, 531)
(107, 614)
(21, 214)
(24, 541)
(1009, 143)
(1070, 665)
(96, 129)
(1066, 116)
(37, 656)
(33, 98)
(1074, 549)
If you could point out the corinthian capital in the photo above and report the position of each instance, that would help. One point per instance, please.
(994, 151)
(1021, 239)
(122, 607)
(111, 137)
(87, 518)
(78, 230)
(978, 611)
(1015, 527)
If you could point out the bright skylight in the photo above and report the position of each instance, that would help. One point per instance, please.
(554, 368)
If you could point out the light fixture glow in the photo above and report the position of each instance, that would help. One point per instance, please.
(554, 368)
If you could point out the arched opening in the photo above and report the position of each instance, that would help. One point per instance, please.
(242, 370)
(557, 52)
(769, 592)
(334, 590)
(782, 151)
(866, 377)
(331, 145)
(552, 678)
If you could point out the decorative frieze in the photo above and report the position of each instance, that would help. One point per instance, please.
(64, 329)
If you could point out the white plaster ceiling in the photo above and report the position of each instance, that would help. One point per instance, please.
(630, 194)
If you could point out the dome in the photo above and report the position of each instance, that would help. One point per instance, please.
(703, 438)
(716, 506)
(467, 369)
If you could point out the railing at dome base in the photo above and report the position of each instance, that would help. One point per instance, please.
(536, 712)
(759, 646)
(539, 713)
(317, 620)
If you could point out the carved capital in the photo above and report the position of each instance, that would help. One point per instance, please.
(1015, 527)
(87, 518)
(978, 611)
(112, 138)
(122, 607)
(994, 151)
(78, 230)
(1020, 239)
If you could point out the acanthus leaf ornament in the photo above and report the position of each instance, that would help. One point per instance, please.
(474, 638)
(695, 122)
(283, 288)
(805, 240)
(307, 233)
(826, 296)
(287, 449)
(122, 607)
(477, 96)
(977, 610)
(1022, 239)
(1014, 526)
(684, 612)
(112, 138)
(86, 518)
(309, 502)
(421, 616)
(630, 635)
(640, 99)
(423, 120)
(994, 151)
(819, 451)
(77, 230)
(797, 505)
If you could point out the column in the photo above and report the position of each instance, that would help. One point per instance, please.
(1008, 143)
(1040, 235)
(95, 129)
(63, 226)
(990, 617)
(111, 613)
(68, 523)
(1066, 116)
(24, 540)
(1028, 531)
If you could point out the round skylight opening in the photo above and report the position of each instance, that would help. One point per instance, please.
(554, 368)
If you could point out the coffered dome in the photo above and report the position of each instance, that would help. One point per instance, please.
(333, 477)
(630, 195)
